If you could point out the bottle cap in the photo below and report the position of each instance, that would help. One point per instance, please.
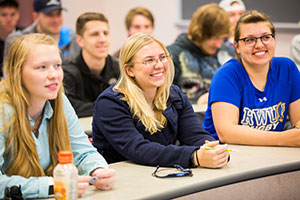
(65, 157)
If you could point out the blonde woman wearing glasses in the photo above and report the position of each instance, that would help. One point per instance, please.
(143, 115)
(250, 98)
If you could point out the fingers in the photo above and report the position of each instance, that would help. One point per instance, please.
(104, 173)
(83, 183)
(105, 178)
(216, 157)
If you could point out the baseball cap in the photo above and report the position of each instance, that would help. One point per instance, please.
(13, 3)
(46, 6)
(226, 5)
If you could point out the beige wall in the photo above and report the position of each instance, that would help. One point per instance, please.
(166, 14)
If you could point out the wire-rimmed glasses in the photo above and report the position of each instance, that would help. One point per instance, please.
(183, 172)
(152, 62)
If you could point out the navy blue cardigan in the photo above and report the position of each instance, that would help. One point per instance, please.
(119, 137)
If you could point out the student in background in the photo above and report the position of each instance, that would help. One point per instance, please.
(251, 97)
(93, 70)
(195, 53)
(143, 115)
(9, 16)
(295, 50)
(235, 9)
(137, 20)
(37, 121)
(48, 19)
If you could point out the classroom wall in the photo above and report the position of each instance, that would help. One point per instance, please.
(166, 14)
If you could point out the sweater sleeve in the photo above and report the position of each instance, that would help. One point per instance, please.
(113, 119)
(33, 187)
(86, 157)
(190, 131)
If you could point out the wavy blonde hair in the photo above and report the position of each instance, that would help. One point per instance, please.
(20, 144)
(151, 117)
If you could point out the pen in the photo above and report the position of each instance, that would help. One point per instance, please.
(94, 179)
(211, 148)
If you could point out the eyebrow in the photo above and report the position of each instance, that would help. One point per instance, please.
(265, 33)
(163, 53)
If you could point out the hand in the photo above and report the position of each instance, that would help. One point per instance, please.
(105, 178)
(215, 158)
(82, 185)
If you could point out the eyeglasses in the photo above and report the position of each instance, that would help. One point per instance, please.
(251, 41)
(151, 62)
(183, 172)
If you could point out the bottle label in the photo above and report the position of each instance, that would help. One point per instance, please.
(60, 190)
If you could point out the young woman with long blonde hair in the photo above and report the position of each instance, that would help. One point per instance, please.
(143, 115)
(37, 121)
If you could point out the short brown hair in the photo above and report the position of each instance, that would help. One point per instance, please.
(138, 11)
(208, 20)
(252, 16)
(86, 17)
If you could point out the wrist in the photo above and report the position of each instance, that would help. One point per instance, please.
(91, 173)
(196, 159)
(192, 159)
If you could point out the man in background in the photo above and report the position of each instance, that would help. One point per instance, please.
(235, 9)
(93, 70)
(195, 53)
(138, 19)
(48, 19)
(9, 16)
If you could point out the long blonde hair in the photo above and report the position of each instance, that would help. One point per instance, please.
(20, 144)
(151, 117)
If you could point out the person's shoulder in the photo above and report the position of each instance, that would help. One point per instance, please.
(178, 44)
(18, 33)
(296, 40)
(175, 93)
(113, 61)
(175, 89)
(281, 60)
(69, 66)
(110, 92)
(66, 30)
(30, 29)
(283, 63)
(230, 66)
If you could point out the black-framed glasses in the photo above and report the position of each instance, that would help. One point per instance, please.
(152, 62)
(183, 172)
(251, 41)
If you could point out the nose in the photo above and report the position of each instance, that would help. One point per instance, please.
(102, 37)
(258, 42)
(159, 64)
(52, 73)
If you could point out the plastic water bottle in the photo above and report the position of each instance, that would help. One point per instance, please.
(65, 177)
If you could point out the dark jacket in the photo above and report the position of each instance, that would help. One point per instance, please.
(82, 87)
(193, 69)
(118, 136)
(2, 43)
